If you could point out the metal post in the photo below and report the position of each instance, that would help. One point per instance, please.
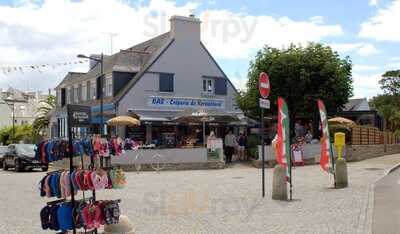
(262, 152)
(101, 96)
(204, 133)
(71, 161)
(13, 120)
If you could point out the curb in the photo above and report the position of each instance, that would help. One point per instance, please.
(392, 169)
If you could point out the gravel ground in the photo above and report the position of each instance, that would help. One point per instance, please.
(217, 201)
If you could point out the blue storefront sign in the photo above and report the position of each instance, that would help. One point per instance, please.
(179, 102)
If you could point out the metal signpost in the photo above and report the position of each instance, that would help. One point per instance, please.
(78, 116)
(264, 88)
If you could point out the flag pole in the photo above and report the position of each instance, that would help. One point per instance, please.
(290, 159)
(262, 153)
(334, 171)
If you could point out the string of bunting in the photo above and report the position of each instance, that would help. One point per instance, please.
(21, 68)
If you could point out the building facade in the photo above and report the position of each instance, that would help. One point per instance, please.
(154, 80)
(23, 105)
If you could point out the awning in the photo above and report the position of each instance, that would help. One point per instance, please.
(154, 115)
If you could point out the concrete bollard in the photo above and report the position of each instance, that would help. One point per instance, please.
(341, 173)
(279, 188)
(124, 226)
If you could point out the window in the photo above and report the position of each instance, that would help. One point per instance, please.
(166, 82)
(68, 95)
(93, 88)
(208, 86)
(109, 87)
(83, 92)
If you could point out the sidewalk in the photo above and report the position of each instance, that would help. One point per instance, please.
(218, 201)
(229, 201)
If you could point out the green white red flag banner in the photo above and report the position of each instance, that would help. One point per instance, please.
(283, 156)
(326, 160)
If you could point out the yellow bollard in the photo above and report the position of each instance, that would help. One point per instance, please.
(340, 167)
(340, 142)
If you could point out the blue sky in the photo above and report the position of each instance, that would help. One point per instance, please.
(53, 31)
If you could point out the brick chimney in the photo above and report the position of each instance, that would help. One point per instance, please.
(185, 28)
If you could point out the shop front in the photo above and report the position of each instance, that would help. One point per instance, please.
(180, 76)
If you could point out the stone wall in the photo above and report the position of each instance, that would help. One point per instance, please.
(353, 153)
(362, 152)
(210, 164)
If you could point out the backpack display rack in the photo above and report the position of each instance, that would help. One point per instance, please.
(78, 116)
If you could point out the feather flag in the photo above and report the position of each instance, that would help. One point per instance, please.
(326, 160)
(283, 156)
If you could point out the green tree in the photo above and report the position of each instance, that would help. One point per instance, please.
(24, 133)
(390, 82)
(301, 75)
(42, 120)
(388, 104)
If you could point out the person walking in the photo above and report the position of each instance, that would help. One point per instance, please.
(230, 144)
(242, 146)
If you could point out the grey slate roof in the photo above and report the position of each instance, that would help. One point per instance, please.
(132, 60)
(355, 104)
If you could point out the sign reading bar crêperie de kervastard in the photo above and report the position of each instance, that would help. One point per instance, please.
(183, 102)
(79, 115)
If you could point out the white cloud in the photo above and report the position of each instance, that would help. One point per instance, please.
(58, 30)
(367, 50)
(373, 2)
(366, 85)
(361, 48)
(364, 68)
(393, 66)
(345, 47)
(238, 79)
(224, 30)
(384, 25)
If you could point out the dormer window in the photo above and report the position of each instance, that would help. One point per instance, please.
(208, 86)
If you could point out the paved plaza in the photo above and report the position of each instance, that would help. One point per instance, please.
(218, 201)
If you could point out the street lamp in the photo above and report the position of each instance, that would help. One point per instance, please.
(101, 88)
(11, 99)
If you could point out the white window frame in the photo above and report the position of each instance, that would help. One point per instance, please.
(93, 89)
(208, 86)
(76, 93)
(68, 94)
(109, 87)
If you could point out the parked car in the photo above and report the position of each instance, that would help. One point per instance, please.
(21, 157)
(3, 150)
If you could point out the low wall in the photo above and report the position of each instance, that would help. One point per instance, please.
(310, 152)
(362, 152)
(352, 153)
(173, 155)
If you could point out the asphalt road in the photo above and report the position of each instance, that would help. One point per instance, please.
(386, 218)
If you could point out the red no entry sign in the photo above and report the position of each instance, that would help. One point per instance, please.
(263, 84)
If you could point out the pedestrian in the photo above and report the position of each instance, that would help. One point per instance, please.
(308, 137)
(241, 141)
(230, 144)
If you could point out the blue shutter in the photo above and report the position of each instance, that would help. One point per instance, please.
(220, 86)
(166, 82)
